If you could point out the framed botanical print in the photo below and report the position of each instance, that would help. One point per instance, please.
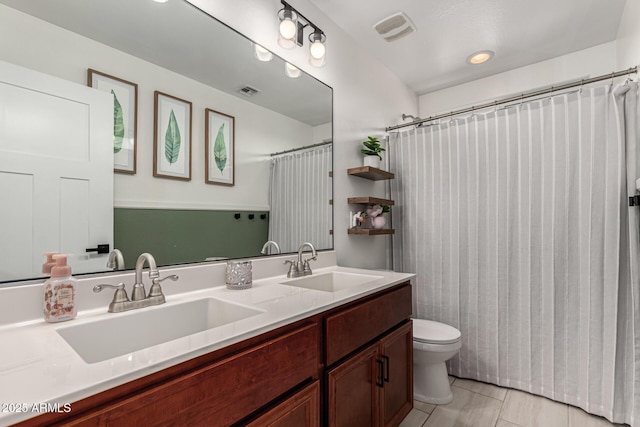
(219, 148)
(125, 118)
(172, 137)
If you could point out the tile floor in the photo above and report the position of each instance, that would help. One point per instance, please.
(476, 404)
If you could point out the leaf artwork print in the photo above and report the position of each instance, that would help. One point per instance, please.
(118, 124)
(220, 149)
(172, 140)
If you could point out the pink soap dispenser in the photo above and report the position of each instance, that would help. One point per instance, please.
(60, 292)
(49, 263)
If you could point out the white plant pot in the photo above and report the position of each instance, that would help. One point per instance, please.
(373, 161)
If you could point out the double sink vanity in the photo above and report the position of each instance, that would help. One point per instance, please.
(329, 348)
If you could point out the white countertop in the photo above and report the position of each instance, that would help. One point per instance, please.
(38, 366)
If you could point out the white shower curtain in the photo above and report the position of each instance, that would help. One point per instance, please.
(517, 224)
(300, 193)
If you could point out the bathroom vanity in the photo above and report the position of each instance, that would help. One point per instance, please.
(328, 349)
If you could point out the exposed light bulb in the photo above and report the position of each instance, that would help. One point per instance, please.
(261, 53)
(317, 49)
(292, 71)
(287, 28)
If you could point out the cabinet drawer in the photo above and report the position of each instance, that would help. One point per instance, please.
(223, 392)
(300, 410)
(349, 329)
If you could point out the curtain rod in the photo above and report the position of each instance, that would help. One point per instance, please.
(302, 148)
(524, 95)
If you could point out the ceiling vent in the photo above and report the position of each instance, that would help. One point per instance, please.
(395, 27)
(248, 90)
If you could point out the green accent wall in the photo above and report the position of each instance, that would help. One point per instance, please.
(176, 236)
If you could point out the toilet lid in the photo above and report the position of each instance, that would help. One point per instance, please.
(428, 331)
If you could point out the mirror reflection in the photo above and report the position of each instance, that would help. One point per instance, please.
(283, 131)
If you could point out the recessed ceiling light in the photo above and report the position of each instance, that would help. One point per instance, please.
(480, 57)
(160, 1)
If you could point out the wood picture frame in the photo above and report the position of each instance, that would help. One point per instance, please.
(171, 137)
(125, 118)
(220, 158)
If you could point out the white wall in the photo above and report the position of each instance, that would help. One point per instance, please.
(322, 133)
(367, 97)
(574, 66)
(628, 41)
(55, 51)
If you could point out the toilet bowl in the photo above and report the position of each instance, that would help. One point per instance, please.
(433, 344)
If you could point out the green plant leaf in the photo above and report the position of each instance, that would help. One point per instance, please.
(172, 140)
(220, 149)
(118, 124)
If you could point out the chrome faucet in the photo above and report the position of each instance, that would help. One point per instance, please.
(138, 287)
(266, 246)
(139, 298)
(301, 267)
(116, 260)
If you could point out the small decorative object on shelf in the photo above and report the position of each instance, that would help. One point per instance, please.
(370, 219)
(372, 152)
(378, 221)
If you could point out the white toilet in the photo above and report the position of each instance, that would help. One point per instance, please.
(433, 344)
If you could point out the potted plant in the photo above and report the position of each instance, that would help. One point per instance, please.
(372, 152)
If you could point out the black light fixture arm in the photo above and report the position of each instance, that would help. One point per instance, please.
(301, 27)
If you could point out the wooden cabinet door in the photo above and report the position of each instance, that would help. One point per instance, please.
(300, 410)
(352, 390)
(396, 351)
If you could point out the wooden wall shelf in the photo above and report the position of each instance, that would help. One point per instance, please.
(368, 172)
(370, 201)
(370, 231)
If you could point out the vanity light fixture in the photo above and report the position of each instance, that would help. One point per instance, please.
(288, 29)
(292, 71)
(317, 49)
(261, 53)
(291, 33)
(480, 57)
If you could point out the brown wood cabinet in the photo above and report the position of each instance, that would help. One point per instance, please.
(374, 387)
(218, 389)
(396, 351)
(316, 371)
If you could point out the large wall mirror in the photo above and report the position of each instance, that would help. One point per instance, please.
(282, 121)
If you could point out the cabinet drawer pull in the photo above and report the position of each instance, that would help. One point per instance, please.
(386, 360)
(381, 365)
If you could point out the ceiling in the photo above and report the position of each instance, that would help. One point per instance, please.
(520, 32)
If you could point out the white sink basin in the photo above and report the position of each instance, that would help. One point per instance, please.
(333, 281)
(135, 330)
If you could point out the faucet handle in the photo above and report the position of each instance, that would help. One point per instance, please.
(119, 297)
(306, 269)
(173, 277)
(293, 268)
(155, 290)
